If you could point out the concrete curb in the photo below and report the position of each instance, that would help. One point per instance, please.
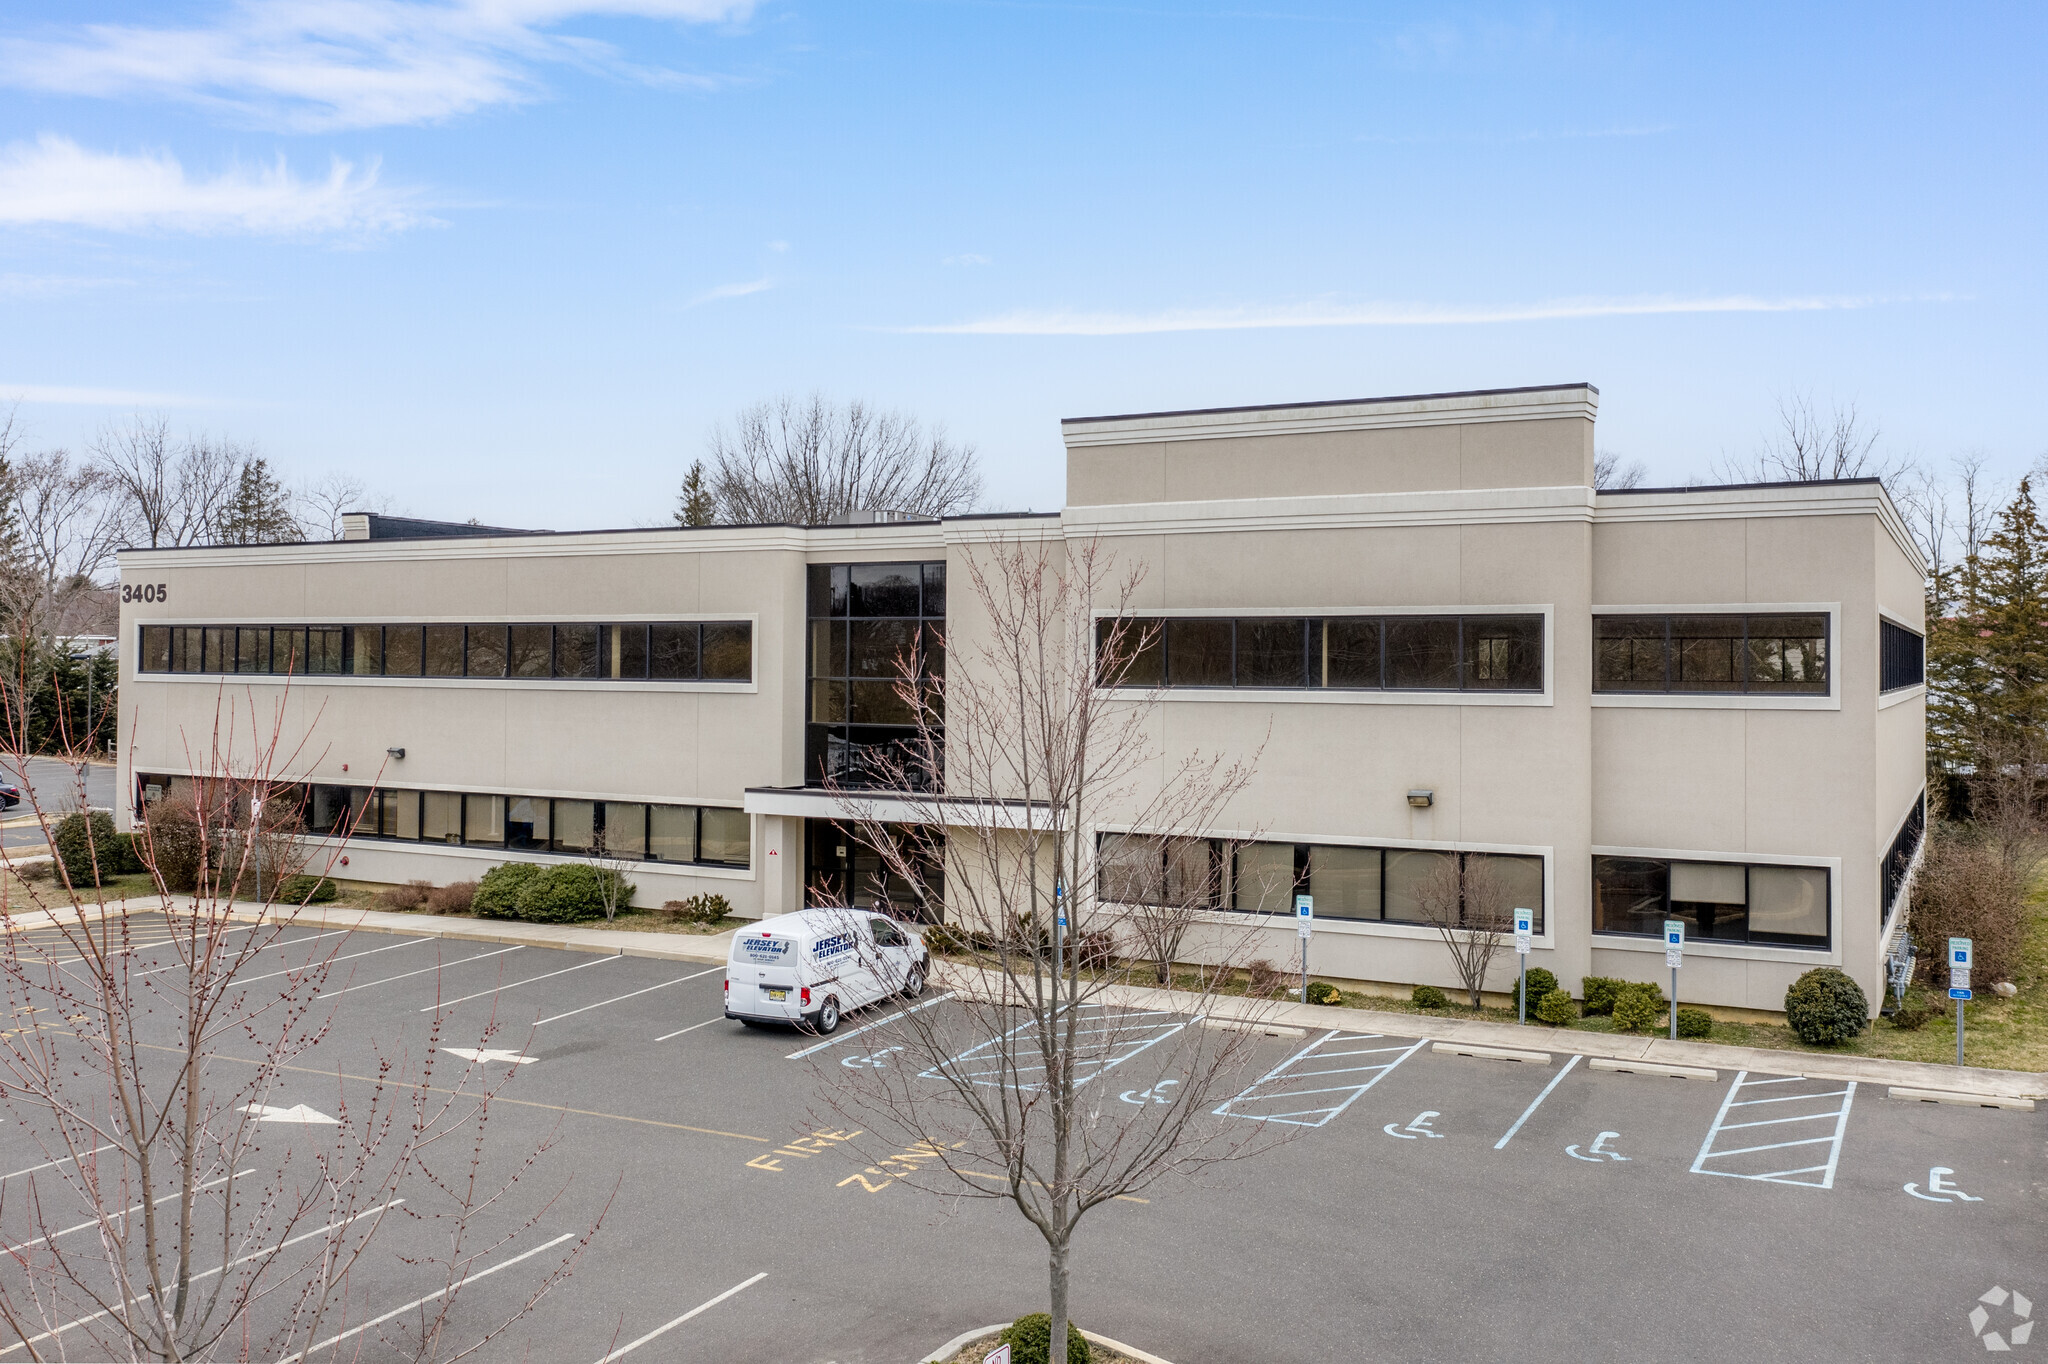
(959, 1343)
(710, 948)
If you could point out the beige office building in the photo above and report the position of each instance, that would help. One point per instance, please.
(1702, 704)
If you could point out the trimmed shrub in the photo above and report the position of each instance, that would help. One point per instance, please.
(1429, 997)
(453, 898)
(1599, 992)
(410, 896)
(1636, 1008)
(568, 894)
(173, 843)
(1695, 1023)
(1825, 1007)
(305, 890)
(1555, 1008)
(497, 895)
(698, 909)
(1322, 992)
(1541, 983)
(80, 840)
(1030, 1340)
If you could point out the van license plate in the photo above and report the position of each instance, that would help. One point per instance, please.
(778, 994)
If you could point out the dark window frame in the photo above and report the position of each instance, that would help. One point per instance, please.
(1749, 938)
(1745, 685)
(835, 745)
(1155, 633)
(337, 657)
(1898, 858)
(1902, 657)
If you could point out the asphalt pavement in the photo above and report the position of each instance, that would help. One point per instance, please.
(1416, 1206)
(56, 784)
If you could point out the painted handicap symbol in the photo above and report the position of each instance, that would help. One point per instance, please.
(872, 1061)
(1418, 1128)
(1139, 1096)
(1939, 1190)
(1597, 1150)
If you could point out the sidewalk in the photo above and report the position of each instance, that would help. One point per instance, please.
(569, 937)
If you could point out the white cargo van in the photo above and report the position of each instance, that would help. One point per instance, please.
(814, 966)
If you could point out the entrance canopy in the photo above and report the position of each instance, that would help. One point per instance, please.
(898, 807)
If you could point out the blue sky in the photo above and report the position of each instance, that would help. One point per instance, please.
(512, 258)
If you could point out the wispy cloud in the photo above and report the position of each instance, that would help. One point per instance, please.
(1067, 323)
(66, 396)
(741, 290)
(53, 180)
(324, 64)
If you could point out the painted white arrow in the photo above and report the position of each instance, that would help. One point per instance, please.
(491, 1054)
(296, 1113)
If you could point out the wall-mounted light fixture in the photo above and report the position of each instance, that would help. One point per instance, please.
(395, 752)
(1422, 800)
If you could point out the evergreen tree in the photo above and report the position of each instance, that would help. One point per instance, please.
(259, 512)
(695, 506)
(1987, 651)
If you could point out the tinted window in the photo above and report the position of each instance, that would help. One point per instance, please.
(444, 651)
(1503, 653)
(1902, 657)
(1351, 652)
(530, 650)
(1271, 652)
(366, 650)
(486, 645)
(628, 651)
(728, 652)
(575, 651)
(1422, 651)
(1198, 653)
(402, 651)
(156, 648)
(884, 589)
(1628, 653)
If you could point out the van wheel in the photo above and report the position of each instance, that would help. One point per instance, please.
(914, 986)
(828, 1016)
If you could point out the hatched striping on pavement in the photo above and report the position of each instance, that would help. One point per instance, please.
(1783, 1130)
(1292, 1093)
(1108, 1038)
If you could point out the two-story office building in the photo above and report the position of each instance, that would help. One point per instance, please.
(1693, 703)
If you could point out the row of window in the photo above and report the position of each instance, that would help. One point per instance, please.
(866, 624)
(1898, 858)
(1632, 896)
(1902, 657)
(1422, 653)
(1767, 655)
(707, 651)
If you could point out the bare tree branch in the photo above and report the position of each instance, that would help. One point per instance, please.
(806, 461)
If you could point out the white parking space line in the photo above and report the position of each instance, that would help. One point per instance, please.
(1765, 1156)
(421, 1302)
(280, 944)
(329, 994)
(1316, 1115)
(451, 1003)
(1126, 1042)
(692, 1028)
(870, 1027)
(61, 1160)
(1539, 1102)
(700, 1307)
(211, 1183)
(616, 998)
(289, 970)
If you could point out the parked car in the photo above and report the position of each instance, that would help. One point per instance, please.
(10, 796)
(816, 965)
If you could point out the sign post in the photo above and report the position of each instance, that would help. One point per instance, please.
(1304, 924)
(256, 833)
(1525, 924)
(1674, 952)
(1959, 984)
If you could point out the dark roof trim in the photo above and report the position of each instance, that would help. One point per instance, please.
(1740, 487)
(1332, 402)
(384, 527)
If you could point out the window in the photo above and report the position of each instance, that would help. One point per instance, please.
(1717, 901)
(575, 825)
(483, 821)
(1757, 655)
(1902, 657)
(1376, 885)
(714, 651)
(1898, 859)
(625, 829)
(441, 817)
(1375, 653)
(872, 630)
(526, 822)
(672, 833)
(725, 836)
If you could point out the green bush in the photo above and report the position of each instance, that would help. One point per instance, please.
(1322, 992)
(301, 890)
(1695, 1023)
(497, 894)
(1599, 992)
(1541, 983)
(1825, 1006)
(1636, 1007)
(1429, 997)
(568, 894)
(80, 840)
(1030, 1340)
(1555, 1008)
(174, 842)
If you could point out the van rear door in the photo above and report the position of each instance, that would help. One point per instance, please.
(761, 976)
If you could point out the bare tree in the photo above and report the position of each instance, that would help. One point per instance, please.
(1613, 472)
(995, 1095)
(1468, 902)
(168, 493)
(1809, 446)
(805, 461)
(612, 863)
(322, 503)
(170, 1222)
(69, 525)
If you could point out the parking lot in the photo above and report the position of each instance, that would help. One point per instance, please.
(1424, 1206)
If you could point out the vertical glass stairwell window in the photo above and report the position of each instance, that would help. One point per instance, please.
(869, 628)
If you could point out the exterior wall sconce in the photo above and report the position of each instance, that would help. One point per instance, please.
(400, 753)
(1422, 800)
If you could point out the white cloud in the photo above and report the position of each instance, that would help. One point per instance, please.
(966, 258)
(92, 397)
(323, 64)
(54, 180)
(741, 290)
(52, 286)
(1068, 323)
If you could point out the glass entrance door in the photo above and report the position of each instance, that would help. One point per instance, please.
(840, 869)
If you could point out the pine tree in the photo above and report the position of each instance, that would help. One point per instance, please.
(260, 511)
(1988, 653)
(695, 506)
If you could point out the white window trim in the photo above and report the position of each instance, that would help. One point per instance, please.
(1546, 940)
(1724, 700)
(1887, 699)
(1337, 696)
(1831, 955)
